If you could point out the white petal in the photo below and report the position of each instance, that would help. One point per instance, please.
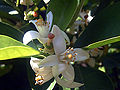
(67, 84)
(43, 30)
(69, 73)
(30, 35)
(82, 14)
(89, 16)
(46, 1)
(81, 54)
(47, 77)
(50, 19)
(34, 63)
(66, 37)
(34, 22)
(43, 71)
(58, 41)
(49, 61)
(58, 69)
(46, 72)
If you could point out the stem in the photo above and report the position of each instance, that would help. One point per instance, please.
(17, 3)
(12, 4)
(78, 10)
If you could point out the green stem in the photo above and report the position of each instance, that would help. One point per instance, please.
(12, 4)
(79, 8)
(17, 3)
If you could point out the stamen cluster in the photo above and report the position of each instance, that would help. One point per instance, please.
(39, 79)
(69, 55)
(41, 22)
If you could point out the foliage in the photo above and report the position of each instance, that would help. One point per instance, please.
(100, 37)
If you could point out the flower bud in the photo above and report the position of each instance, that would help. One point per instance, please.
(35, 14)
(51, 36)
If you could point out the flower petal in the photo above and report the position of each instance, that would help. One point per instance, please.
(67, 84)
(58, 41)
(66, 37)
(43, 71)
(49, 61)
(42, 29)
(30, 35)
(46, 1)
(82, 14)
(50, 19)
(58, 69)
(34, 62)
(69, 73)
(81, 54)
(47, 77)
(34, 22)
(46, 73)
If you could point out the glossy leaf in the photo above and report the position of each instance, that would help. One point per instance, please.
(92, 79)
(10, 48)
(4, 69)
(111, 61)
(8, 30)
(104, 26)
(104, 42)
(63, 11)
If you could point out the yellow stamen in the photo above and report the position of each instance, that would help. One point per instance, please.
(72, 49)
(40, 49)
(39, 79)
(70, 56)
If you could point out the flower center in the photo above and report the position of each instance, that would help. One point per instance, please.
(39, 79)
(42, 27)
(41, 22)
(69, 55)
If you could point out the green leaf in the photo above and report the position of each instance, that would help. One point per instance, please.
(8, 30)
(4, 69)
(10, 48)
(93, 79)
(111, 61)
(104, 42)
(104, 26)
(63, 11)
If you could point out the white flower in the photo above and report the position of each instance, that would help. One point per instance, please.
(60, 63)
(43, 74)
(83, 14)
(43, 30)
(25, 2)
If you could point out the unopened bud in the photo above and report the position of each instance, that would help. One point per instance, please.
(51, 36)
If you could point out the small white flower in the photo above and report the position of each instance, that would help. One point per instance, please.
(83, 14)
(43, 74)
(43, 30)
(60, 63)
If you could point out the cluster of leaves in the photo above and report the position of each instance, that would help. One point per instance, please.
(102, 30)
